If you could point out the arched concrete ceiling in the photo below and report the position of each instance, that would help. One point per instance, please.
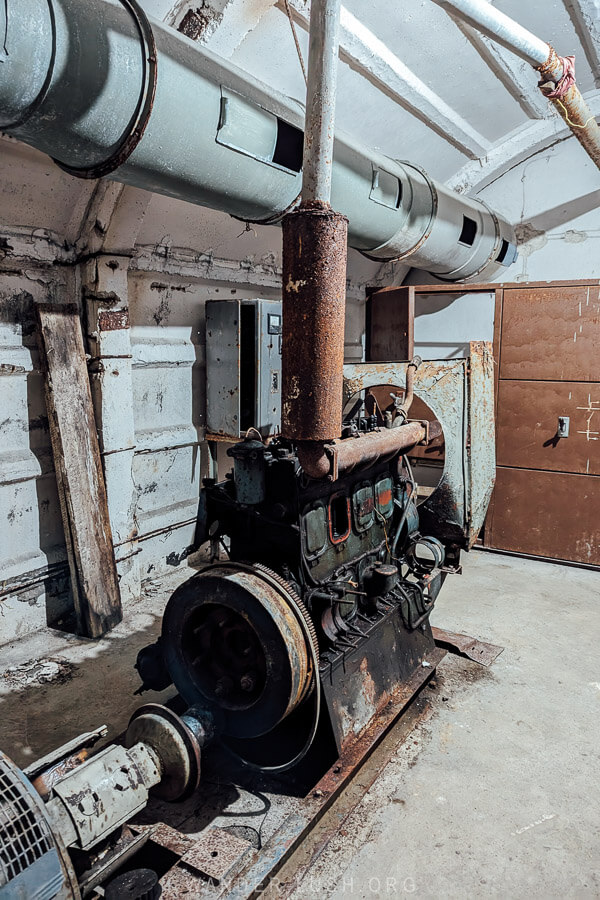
(412, 83)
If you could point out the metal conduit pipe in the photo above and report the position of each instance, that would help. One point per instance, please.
(107, 90)
(409, 395)
(321, 92)
(505, 31)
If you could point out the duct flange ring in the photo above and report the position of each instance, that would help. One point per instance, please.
(178, 750)
(374, 253)
(233, 639)
(141, 116)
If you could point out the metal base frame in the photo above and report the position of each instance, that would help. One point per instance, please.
(207, 859)
(287, 838)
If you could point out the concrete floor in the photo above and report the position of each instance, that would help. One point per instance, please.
(495, 794)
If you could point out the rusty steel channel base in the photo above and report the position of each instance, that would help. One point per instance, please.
(202, 847)
(200, 844)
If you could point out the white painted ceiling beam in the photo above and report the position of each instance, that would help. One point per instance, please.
(585, 15)
(221, 25)
(516, 147)
(367, 54)
(517, 76)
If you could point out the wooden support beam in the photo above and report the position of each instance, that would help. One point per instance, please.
(78, 469)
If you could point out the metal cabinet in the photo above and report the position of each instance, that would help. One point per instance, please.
(243, 367)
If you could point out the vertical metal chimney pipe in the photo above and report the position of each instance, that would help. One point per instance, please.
(314, 267)
(321, 91)
(569, 103)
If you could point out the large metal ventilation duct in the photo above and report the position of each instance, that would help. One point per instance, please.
(107, 91)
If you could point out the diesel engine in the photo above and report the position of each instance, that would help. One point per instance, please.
(319, 606)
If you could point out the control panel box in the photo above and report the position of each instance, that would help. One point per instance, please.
(243, 367)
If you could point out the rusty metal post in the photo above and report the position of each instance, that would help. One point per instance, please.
(570, 106)
(314, 300)
(314, 265)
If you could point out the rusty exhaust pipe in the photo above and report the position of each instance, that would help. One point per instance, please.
(314, 266)
(314, 306)
(314, 290)
(338, 457)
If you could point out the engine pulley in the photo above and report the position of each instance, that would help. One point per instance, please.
(236, 637)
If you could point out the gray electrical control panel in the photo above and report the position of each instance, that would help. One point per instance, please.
(243, 367)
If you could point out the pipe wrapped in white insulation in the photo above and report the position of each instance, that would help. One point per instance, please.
(106, 90)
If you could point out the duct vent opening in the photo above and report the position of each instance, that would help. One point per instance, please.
(469, 232)
(288, 147)
(256, 132)
(507, 254)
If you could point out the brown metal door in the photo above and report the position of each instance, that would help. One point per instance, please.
(547, 496)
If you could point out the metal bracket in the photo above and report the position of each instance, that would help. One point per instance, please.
(426, 425)
(83, 741)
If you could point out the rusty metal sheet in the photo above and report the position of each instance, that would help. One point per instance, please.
(170, 838)
(358, 686)
(535, 513)
(551, 333)
(179, 882)
(463, 645)
(528, 414)
(216, 854)
(459, 393)
(113, 319)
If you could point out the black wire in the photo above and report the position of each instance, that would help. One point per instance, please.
(264, 812)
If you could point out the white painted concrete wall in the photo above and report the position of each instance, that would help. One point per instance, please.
(162, 260)
(554, 200)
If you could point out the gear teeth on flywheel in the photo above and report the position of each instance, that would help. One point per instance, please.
(286, 586)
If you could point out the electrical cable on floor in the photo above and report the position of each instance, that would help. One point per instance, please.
(241, 814)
